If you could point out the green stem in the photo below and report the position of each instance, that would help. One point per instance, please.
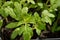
(6, 20)
(47, 2)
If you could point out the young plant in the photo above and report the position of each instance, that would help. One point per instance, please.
(19, 10)
(54, 5)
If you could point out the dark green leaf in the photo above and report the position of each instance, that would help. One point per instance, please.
(41, 26)
(58, 29)
(1, 22)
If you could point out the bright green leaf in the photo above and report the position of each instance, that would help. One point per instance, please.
(38, 31)
(31, 1)
(47, 20)
(40, 5)
(10, 11)
(17, 6)
(46, 17)
(36, 16)
(27, 34)
(25, 10)
(46, 13)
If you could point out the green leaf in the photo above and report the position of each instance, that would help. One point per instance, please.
(25, 10)
(52, 1)
(8, 3)
(47, 13)
(36, 16)
(21, 30)
(15, 0)
(59, 15)
(0, 3)
(17, 14)
(18, 10)
(55, 4)
(20, 23)
(31, 1)
(40, 5)
(46, 17)
(2, 12)
(32, 20)
(27, 34)
(41, 26)
(58, 29)
(15, 33)
(10, 11)
(29, 19)
(17, 6)
(51, 15)
(47, 20)
(1, 22)
(54, 27)
(32, 6)
(38, 31)
(11, 25)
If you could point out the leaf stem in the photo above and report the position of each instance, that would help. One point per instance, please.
(47, 2)
(6, 20)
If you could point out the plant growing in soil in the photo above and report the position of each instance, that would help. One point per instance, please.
(27, 15)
